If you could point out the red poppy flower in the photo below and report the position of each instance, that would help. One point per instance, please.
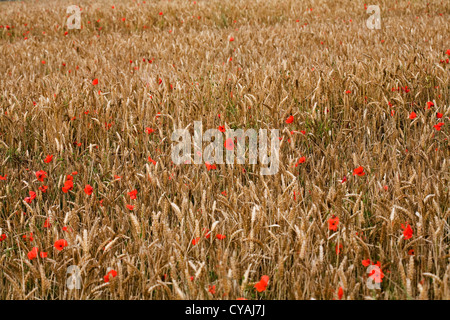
(68, 185)
(43, 254)
(2, 237)
(438, 126)
(116, 177)
(33, 253)
(112, 273)
(3, 178)
(340, 293)
(133, 194)
(222, 128)
(48, 159)
(210, 166)
(301, 160)
(344, 179)
(411, 252)
(407, 231)
(439, 115)
(130, 207)
(212, 289)
(40, 175)
(195, 241)
(43, 189)
(29, 238)
(60, 244)
(220, 236)
(333, 223)
(229, 144)
(207, 233)
(47, 224)
(88, 190)
(161, 13)
(377, 274)
(359, 171)
(231, 39)
(32, 196)
(290, 119)
(430, 104)
(95, 82)
(151, 160)
(149, 130)
(366, 262)
(412, 115)
(262, 284)
(339, 248)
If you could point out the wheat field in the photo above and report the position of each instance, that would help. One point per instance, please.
(93, 207)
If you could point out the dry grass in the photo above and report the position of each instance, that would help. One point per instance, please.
(279, 67)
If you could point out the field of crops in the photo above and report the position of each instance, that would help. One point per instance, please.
(93, 205)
